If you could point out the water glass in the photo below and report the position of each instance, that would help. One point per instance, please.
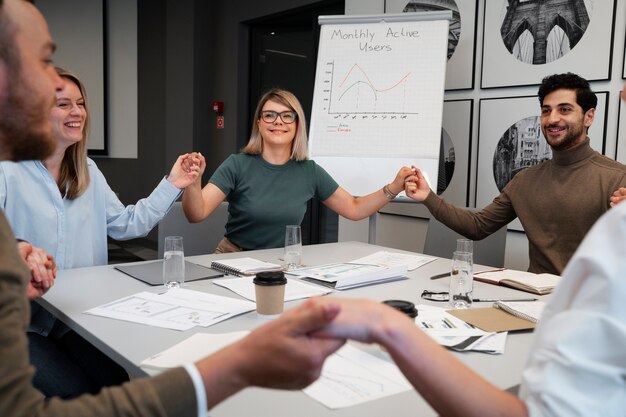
(293, 246)
(173, 262)
(465, 245)
(461, 280)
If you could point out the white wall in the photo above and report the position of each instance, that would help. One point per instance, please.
(408, 233)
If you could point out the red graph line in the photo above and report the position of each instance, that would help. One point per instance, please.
(371, 84)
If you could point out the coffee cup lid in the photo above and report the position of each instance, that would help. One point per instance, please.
(403, 306)
(270, 278)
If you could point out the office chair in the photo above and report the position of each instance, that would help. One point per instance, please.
(198, 238)
(441, 241)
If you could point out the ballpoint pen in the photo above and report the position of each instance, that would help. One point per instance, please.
(493, 300)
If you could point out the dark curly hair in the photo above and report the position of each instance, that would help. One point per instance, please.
(585, 98)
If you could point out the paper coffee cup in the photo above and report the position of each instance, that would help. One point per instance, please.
(270, 293)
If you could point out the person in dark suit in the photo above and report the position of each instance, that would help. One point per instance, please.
(280, 354)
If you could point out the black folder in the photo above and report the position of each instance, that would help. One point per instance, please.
(152, 272)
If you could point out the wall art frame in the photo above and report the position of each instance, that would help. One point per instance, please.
(460, 70)
(457, 123)
(591, 56)
(620, 146)
(496, 116)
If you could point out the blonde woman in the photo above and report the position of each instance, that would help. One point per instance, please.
(65, 206)
(270, 182)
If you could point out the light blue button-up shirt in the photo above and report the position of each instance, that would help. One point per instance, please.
(75, 231)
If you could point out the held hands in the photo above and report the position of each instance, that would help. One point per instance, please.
(283, 354)
(397, 185)
(618, 195)
(187, 169)
(365, 321)
(416, 186)
(42, 267)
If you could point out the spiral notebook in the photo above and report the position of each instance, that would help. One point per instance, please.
(244, 266)
(527, 310)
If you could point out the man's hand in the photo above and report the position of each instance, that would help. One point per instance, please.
(415, 186)
(618, 195)
(42, 267)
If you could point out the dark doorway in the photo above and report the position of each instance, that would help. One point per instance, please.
(283, 53)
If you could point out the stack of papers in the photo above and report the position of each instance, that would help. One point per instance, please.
(456, 334)
(294, 290)
(385, 258)
(346, 275)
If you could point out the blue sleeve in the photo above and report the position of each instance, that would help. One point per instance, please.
(134, 220)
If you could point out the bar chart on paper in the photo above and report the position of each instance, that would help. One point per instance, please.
(378, 100)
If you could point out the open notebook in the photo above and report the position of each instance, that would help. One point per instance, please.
(526, 281)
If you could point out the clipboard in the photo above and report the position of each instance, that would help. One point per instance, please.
(492, 319)
(152, 272)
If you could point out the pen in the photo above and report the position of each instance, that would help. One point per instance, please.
(493, 300)
(445, 274)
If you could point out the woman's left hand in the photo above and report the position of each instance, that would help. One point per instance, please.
(397, 185)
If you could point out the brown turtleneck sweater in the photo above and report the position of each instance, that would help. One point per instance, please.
(556, 201)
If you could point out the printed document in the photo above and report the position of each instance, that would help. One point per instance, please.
(351, 376)
(294, 290)
(177, 309)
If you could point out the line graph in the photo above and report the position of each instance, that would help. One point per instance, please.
(358, 93)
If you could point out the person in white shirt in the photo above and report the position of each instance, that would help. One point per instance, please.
(577, 366)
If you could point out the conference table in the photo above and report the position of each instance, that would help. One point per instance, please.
(77, 290)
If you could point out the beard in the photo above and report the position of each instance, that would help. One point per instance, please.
(25, 131)
(572, 138)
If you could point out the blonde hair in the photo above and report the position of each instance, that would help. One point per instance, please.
(74, 176)
(299, 146)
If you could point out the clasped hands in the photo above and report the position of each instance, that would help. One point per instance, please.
(42, 268)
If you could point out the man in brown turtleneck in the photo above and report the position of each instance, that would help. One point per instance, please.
(556, 201)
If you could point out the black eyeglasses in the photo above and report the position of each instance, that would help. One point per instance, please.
(435, 296)
(270, 116)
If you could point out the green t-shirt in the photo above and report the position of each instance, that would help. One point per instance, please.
(264, 198)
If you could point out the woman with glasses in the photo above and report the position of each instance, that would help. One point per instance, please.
(270, 182)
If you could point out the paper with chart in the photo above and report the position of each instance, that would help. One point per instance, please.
(378, 100)
(177, 309)
(351, 376)
(386, 258)
(456, 334)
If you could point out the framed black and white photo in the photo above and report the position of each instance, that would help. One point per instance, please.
(526, 40)
(620, 147)
(454, 160)
(462, 39)
(510, 140)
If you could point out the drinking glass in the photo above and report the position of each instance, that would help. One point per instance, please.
(293, 246)
(461, 280)
(173, 262)
(465, 245)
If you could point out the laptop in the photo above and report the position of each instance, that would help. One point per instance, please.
(152, 272)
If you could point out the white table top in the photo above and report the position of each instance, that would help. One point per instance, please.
(78, 290)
